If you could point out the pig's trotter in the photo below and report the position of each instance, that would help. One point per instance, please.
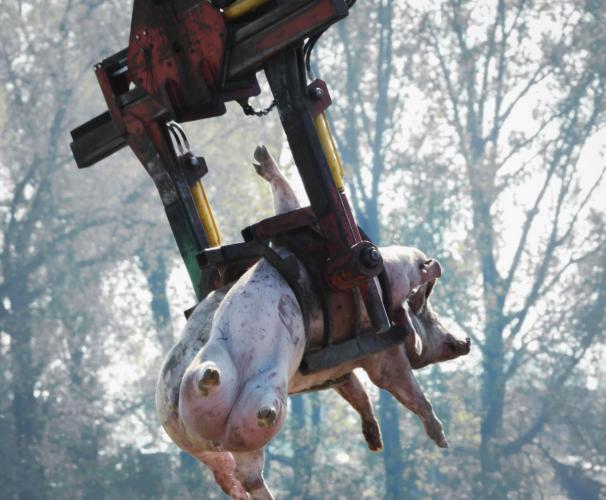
(435, 431)
(261, 154)
(261, 172)
(372, 434)
(285, 199)
(210, 377)
(267, 416)
(249, 470)
(265, 166)
(230, 486)
(223, 468)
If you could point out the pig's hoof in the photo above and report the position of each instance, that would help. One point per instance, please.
(372, 434)
(210, 378)
(441, 441)
(435, 431)
(258, 169)
(263, 171)
(267, 416)
(261, 153)
(264, 165)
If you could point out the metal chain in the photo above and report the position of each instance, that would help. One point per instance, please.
(250, 111)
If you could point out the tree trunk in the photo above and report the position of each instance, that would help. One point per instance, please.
(31, 481)
(492, 396)
(156, 275)
(304, 455)
(493, 361)
(392, 452)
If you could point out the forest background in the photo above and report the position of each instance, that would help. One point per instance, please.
(474, 130)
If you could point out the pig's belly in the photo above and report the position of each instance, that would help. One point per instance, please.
(265, 339)
(256, 342)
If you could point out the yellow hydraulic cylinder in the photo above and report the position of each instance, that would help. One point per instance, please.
(241, 7)
(206, 214)
(330, 150)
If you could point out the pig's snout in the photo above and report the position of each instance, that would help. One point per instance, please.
(267, 416)
(207, 376)
(462, 347)
(454, 347)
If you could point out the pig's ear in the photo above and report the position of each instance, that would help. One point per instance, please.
(430, 270)
(413, 339)
(417, 300)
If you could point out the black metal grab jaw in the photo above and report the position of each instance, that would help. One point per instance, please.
(185, 59)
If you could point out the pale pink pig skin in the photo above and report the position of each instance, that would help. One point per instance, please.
(256, 344)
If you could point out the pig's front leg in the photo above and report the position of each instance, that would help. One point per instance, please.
(354, 393)
(249, 471)
(391, 370)
(285, 199)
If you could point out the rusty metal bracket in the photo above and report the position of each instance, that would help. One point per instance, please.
(185, 59)
(354, 349)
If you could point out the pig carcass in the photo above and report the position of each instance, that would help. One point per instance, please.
(222, 391)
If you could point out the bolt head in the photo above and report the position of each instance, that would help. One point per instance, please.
(371, 257)
(193, 161)
(318, 93)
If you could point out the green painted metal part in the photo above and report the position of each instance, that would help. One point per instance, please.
(188, 247)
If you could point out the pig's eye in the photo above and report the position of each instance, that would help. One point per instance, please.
(425, 264)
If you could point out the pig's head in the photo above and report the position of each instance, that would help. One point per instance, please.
(412, 276)
(407, 268)
(437, 343)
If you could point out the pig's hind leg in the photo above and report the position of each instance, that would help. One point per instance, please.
(249, 471)
(391, 370)
(223, 467)
(285, 199)
(354, 393)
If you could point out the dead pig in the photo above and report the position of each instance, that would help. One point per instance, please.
(254, 388)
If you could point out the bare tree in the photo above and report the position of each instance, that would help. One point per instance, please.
(506, 97)
(38, 229)
(364, 115)
(483, 76)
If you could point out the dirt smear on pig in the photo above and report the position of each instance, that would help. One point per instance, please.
(288, 310)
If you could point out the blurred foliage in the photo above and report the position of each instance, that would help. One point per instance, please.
(470, 129)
